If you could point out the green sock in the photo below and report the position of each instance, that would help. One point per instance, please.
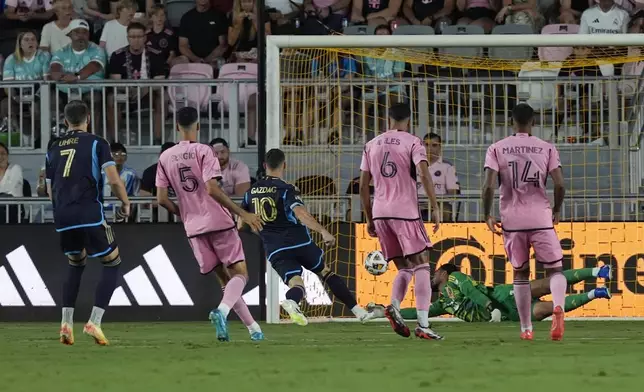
(408, 313)
(578, 275)
(576, 301)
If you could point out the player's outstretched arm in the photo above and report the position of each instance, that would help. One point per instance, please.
(309, 221)
(118, 188)
(215, 191)
(428, 185)
(560, 192)
(164, 201)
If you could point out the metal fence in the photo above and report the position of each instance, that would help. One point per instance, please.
(456, 208)
(465, 110)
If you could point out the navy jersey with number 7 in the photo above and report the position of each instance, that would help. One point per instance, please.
(273, 200)
(74, 167)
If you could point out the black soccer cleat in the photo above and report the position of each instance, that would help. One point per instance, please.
(397, 322)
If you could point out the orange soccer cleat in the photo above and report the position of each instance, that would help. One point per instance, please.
(527, 335)
(557, 329)
(66, 334)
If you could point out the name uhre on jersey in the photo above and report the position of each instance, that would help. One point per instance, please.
(522, 150)
(263, 189)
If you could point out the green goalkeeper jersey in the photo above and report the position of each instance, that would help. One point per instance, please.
(462, 297)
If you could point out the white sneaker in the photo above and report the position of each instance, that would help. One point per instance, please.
(294, 312)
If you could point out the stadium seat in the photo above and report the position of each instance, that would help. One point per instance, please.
(557, 53)
(237, 71)
(463, 30)
(359, 30)
(175, 10)
(414, 30)
(197, 96)
(540, 95)
(510, 53)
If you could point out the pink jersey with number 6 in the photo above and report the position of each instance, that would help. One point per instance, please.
(523, 163)
(187, 167)
(391, 158)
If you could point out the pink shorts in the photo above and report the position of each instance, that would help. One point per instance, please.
(212, 249)
(547, 249)
(401, 238)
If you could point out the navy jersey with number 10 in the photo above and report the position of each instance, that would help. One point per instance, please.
(74, 166)
(273, 200)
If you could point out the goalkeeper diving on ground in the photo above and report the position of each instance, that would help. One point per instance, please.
(463, 297)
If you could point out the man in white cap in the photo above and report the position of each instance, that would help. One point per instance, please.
(78, 61)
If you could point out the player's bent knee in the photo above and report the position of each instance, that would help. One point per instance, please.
(238, 269)
(111, 260)
(222, 274)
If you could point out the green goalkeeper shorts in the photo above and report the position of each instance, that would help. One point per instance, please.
(504, 295)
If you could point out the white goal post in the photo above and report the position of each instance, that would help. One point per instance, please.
(274, 44)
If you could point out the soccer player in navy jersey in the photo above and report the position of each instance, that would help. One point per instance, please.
(74, 166)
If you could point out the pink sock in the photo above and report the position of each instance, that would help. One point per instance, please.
(422, 287)
(233, 291)
(399, 289)
(558, 286)
(523, 298)
(242, 311)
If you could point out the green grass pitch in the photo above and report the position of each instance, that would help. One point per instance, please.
(595, 356)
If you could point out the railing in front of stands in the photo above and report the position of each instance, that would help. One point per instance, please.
(456, 208)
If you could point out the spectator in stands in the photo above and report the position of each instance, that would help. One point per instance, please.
(571, 10)
(242, 34)
(236, 176)
(283, 14)
(438, 13)
(54, 34)
(523, 12)
(128, 175)
(159, 37)
(28, 14)
(605, 18)
(383, 70)
(322, 15)
(223, 6)
(10, 175)
(148, 181)
(375, 12)
(90, 10)
(80, 60)
(636, 25)
(478, 13)
(443, 175)
(202, 35)
(114, 36)
(138, 62)
(26, 63)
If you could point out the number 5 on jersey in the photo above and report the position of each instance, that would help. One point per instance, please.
(189, 182)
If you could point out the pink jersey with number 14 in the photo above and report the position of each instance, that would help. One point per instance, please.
(523, 163)
(391, 158)
(187, 167)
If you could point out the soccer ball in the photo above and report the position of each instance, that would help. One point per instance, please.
(375, 263)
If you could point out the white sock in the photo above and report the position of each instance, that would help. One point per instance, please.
(225, 310)
(423, 318)
(358, 311)
(254, 327)
(596, 271)
(591, 294)
(97, 315)
(523, 329)
(395, 303)
(68, 315)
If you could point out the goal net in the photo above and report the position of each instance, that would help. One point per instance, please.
(327, 96)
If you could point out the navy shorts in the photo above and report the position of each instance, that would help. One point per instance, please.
(292, 262)
(98, 241)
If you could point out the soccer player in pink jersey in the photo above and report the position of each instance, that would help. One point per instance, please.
(393, 159)
(522, 163)
(193, 171)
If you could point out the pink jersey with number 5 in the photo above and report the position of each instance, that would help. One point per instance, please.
(187, 167)
(523, 163)
(391, 158)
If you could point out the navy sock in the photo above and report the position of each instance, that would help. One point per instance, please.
(295, 293)
(106, 286)
(340, 289)
(72, 285)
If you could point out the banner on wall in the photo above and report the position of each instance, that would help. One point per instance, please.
(480, 253)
